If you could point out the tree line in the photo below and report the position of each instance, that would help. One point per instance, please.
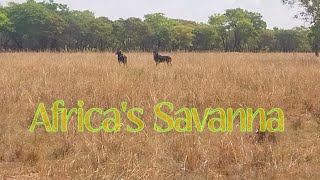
(51, 26)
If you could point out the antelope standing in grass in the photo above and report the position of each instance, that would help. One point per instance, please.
(121, 58)
(160, 59)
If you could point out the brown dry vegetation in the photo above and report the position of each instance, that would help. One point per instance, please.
(200, 80)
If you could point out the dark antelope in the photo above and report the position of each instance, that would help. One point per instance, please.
(121, 58)
(160, 59)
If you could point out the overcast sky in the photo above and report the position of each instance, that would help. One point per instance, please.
(273, 12)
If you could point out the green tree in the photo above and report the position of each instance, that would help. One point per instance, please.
(5, 30)
(182, 37)
(119, 40)
(77, 34)
(161, 30)
(203, 37)
(310, 13)
(291, 40)
(236, 27)
(100, 32)
(219, 22)
(136, 33)
(266, 40)
(131, 33)
(303, 39)
(5, 23)
(315, 37)
(35, 27)
(49, 25)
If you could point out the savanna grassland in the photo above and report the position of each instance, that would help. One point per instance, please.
(201, 80)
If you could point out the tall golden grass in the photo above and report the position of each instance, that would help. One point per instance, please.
(200, 80)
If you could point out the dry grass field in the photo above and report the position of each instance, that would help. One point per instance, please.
(200, 80)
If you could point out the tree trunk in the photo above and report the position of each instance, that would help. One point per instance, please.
(317, 49)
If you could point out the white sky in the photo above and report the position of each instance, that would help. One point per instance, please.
(273, 12)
